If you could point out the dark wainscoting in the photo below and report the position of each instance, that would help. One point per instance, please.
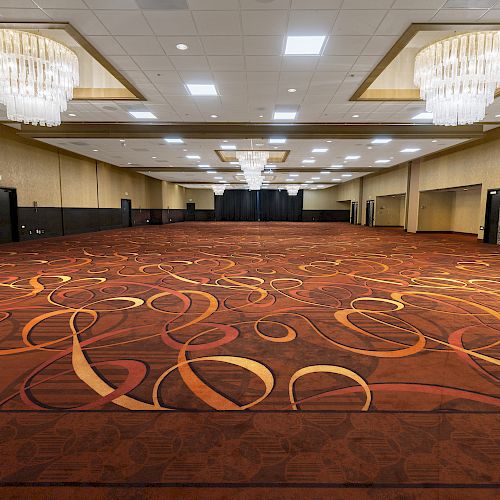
(141, 216)
(110, 218)
(173, 215)
(204, 215)
(80, 220)
(40, 222)
(325, 215)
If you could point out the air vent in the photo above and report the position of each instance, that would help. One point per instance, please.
(162, 4)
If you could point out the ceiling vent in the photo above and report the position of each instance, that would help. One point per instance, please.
(162, 4)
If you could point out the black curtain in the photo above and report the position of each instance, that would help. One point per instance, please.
(265, 205)
(237, 205)
(280, 206)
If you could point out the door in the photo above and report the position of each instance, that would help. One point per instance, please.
(370, 213)
(491, 226)
(126, 213)
(190, 211)
(354, 212)
(8, 216)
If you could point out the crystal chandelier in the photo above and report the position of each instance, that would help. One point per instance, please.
(37, 77)
(252, 164)
(293, 189)
(458, 76)
(218, 189)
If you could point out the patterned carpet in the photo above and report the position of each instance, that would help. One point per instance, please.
(365, 357)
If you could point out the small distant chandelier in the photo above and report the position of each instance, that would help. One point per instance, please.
(293, 189)
(458, 76)
(37, 77)
(218, 189)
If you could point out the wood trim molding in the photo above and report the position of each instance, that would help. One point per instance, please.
(134, 93)
(395, 50)
(241, 130)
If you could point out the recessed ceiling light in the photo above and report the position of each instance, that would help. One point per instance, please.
(335, 180)
(270, 165)
(324, 172)
(423, 116)
(201, 89)
(182, 46)
(304, 45)
(234, 163)
(382, 161)
(309, 182)
(285, 115)
(227, 146)
(381, 140)
(336, 166)
(174, 140)
(352, 157)
(319, 150)
(314, 188)
(410, 150)
(277, 140)
(261, 116)
(142, 115)
(218, 178)
(204, 166)
(193, 157)
(122, 140)
(129, 163)
(259, 144)
(222, 182)
(434, 140)
(329, 140)
(71, 114)
(289, 180)
(214, 116)
(308, 161)
(346, 175)
(294, 175)
(315, 178)
(154, 157)
(95, 150)
(292, 90)
(355, 116)
(211, 171)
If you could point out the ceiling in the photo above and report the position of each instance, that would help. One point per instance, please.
(238, 45)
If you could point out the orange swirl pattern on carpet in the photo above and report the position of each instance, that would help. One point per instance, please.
(245, 316)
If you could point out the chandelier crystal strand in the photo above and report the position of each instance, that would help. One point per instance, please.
(293, 189)
(458, 77)
(37, 77)
(252, 164)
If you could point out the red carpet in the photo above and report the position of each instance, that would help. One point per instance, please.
(364, 358)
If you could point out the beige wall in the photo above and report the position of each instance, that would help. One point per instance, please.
(54, 177)
(388, 210)
(173, 195)
(435, 211)
(322, 199)
(466, 206)
(203, 198)
(348, 191)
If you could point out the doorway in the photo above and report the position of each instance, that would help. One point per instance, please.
(491, 226)
(190, 211)
(354, 212)
(126, 213)
(370, 213)
(8, 216)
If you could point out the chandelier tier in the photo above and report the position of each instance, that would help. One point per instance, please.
(252, 164)
(292, 189)
(458, 76)
(37, 77)
(218, 189)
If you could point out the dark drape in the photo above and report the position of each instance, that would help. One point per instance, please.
(265, 205)
(237, 205)
(279, 205)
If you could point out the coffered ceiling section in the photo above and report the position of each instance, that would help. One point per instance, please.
(239, 48)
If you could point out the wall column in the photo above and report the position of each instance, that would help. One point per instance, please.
(413, 196)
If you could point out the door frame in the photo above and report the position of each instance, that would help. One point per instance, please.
(370, 222)
(129, 202)
(353, 216)
(14, 216)
(486, 229)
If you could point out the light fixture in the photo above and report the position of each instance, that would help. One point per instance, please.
(319, 150)
(218, 178)
(182, 46)
(293, 190)
(308, 161)
(336, 180)
(315, 178)
(214, 116)
(277, 140)
(382, 161)
(37, 77)
(154, 157)
(309, 182)
(71, 114)
(95, 150)
(294, 175)
(410, 150)
(211, 171)
(352, 157)
(284, 115)
(324, 172)
(381, 140)
(228, 146)
(346, 175)
(218, 189)
(122, 140)
(204, 166)
(355, 116)
(193, 157)
(434, 140)
(201, 89)
(458, 76)
(304, 45)
(233, 163)
(142, 115)
(423, 116)
(336, 166)
(292, 90)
